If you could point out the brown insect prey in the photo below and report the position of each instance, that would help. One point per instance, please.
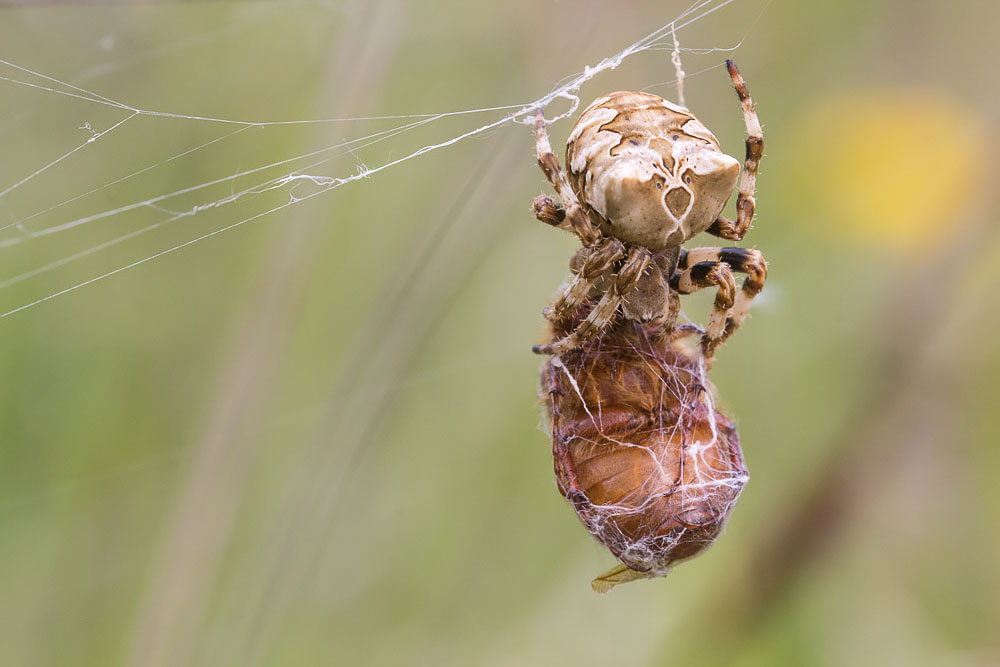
(651, 467)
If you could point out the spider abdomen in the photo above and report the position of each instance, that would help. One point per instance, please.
(649, 170)
(649, 465)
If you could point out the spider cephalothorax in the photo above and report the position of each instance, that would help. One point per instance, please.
(644, 177)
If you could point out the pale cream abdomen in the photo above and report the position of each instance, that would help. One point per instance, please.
(655, 175)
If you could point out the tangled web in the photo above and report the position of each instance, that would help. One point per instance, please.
(651, 467)
(244, 195)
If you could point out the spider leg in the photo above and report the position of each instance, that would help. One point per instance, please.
(742, 260)
(577, 218)
(706, 274)
(550, 212)
(600, 317)
(673, 310)
(745, 203)
(596, 262)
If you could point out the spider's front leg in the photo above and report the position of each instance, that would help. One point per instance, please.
(703, 267)
(600, 317)
(735, 230)
(572, 215)
(587, 266)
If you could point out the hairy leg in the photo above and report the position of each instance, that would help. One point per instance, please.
(577, 218)
(598, 261)
(600, 317)
(745, 203)
(742, 260)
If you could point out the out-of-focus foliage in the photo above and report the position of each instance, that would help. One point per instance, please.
(313, 439)
(896, 167)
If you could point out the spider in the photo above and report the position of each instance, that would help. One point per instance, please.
(645, 176)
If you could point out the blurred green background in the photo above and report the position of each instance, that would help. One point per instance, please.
(313, 439)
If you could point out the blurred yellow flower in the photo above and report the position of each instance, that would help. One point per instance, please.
(897, 166)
